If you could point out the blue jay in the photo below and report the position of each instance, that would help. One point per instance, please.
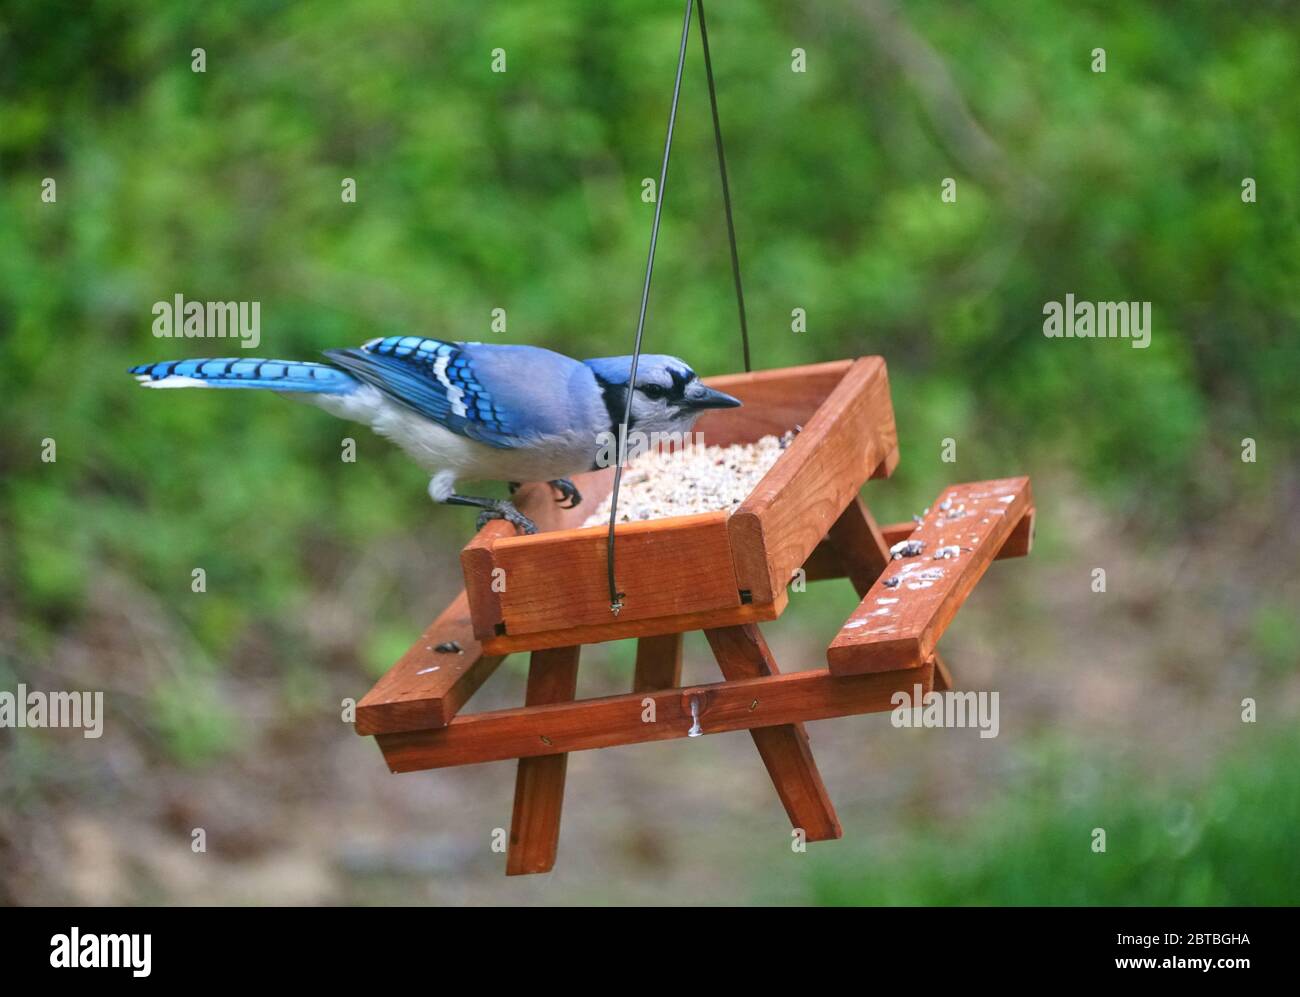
(474, 410)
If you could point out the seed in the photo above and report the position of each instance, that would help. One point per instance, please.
(692, 480)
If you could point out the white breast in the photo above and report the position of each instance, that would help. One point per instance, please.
(438, 449)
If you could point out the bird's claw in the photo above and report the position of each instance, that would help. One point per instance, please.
(507, 511)
(570, 497)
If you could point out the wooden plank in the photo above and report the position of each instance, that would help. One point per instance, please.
(482, 584)
(427, 687)
(792, 508)
(898, 627)
(1021, 541)
(1018, 544)
(887, 466)
(658, 663)
(667, 567)
(862, 552)
(539, 781)
(619, 628)
(742, 653)
(774, 401)
(825, 563)
(614, 720)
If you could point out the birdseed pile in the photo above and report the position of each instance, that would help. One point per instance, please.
(693, 480)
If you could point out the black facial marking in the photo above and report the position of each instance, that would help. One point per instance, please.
(615, 398)
(681, 378)
(674, 393)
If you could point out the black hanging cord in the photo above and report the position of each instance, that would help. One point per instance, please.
(615, 596)
(726, 188)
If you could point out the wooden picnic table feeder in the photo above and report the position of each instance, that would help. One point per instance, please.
(722, 573)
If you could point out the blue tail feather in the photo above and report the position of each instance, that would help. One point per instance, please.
(234, 372)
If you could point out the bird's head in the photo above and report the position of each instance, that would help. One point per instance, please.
(666, 398)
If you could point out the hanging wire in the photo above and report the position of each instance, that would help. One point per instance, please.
(615, 596)
(726, 188)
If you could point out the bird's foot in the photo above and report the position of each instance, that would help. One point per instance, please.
(570, 497)
(502, 509)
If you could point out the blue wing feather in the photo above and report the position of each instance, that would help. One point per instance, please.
(436, 379)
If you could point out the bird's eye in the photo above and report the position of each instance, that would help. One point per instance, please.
(653, 391)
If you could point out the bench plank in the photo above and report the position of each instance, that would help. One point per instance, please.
(426, 688)
(898, 627)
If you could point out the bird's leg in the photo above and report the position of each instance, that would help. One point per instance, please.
(494, 509)
(570, 497)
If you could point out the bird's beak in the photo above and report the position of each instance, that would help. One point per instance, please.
(701, 396)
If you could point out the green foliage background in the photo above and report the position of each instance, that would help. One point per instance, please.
(522, 190)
